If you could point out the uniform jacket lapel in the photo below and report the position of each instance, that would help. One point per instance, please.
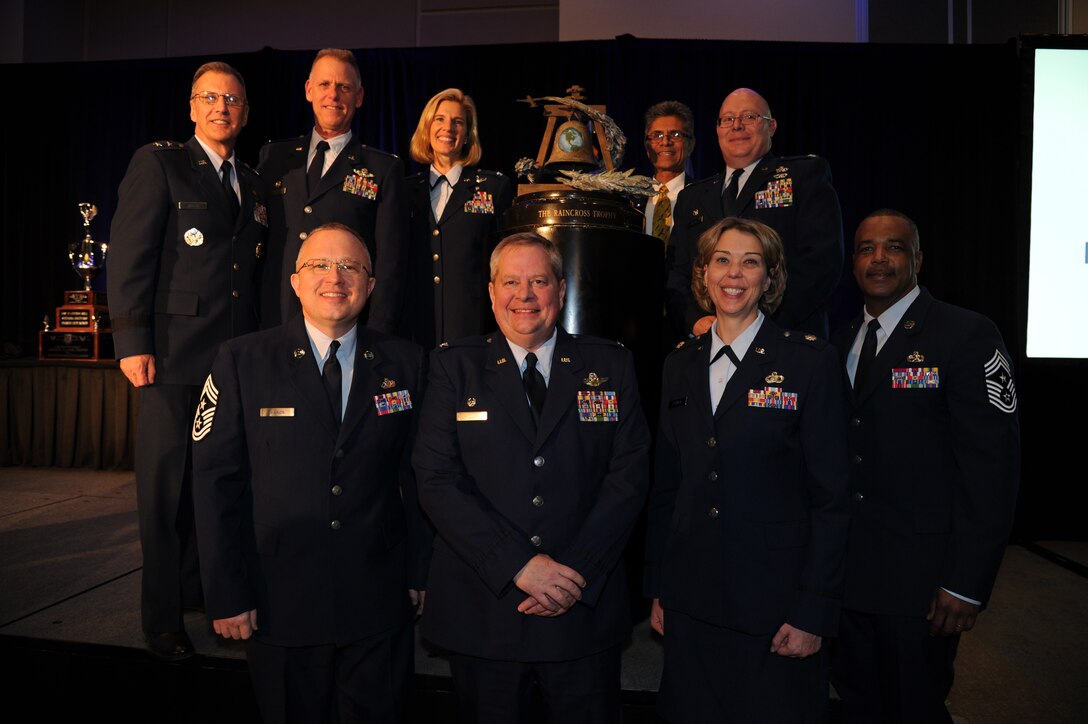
(698, 377)
(756, 181)
(566, 378)
(365, 380)
(502, 376)
(898, 345)
(462, 192)
(345, 161)
(305, 375)
(752, 368)
(207, 179)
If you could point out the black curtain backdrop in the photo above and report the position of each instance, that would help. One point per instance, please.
(931, 130)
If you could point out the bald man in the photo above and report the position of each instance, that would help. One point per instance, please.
(791, 194)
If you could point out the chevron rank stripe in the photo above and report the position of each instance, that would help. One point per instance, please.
(205, 410)
(1000, 387)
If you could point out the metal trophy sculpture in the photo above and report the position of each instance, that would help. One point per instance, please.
(82, 331)
(87, 256)
(588, 207)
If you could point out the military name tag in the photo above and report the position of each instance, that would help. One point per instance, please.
(772, 398)
(391, 402)
(472, 416)
(277, 412)
(598, 406)
(192, 205)
(916, 378)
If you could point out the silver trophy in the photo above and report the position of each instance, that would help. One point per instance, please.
(87, 255)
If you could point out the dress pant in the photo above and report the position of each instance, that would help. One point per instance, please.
(889, 670)
(585, 690)
(364, 681)
(716, 674)
(164, 498)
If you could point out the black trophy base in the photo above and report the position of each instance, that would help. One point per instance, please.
(76, 346)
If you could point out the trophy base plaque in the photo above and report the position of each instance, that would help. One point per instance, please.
(75, 346)
(82, 329)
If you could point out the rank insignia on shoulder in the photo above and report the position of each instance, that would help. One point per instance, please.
(194, 237)
(916, 356)
(598, 406)
(388, 384)
(391, 402)
(774, 379)
(592, 380)
(1000, 388)
(205, 410)
(299, 353)
(772, 398)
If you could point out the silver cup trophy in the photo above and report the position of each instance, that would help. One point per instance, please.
(87, 255)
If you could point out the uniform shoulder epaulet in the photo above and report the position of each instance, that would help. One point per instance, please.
(699, 182)
(805, 338)
(589, 339)
(379, 151)
(292, 139)
(167, 145)
(477, 341)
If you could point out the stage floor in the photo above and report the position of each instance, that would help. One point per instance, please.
(70, 572)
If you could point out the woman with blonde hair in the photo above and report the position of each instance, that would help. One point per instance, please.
(456, 214)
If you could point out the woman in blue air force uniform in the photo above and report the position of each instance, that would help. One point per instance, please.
(748, 515)
(456, 212)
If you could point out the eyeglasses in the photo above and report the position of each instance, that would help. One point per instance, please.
(746, 119)
(212, 98)
(659, 136)
(350, 267)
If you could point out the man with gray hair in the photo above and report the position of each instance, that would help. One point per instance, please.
(326, 176)
(791, 194)
(532, 462)
(185, 245)
(670, 138)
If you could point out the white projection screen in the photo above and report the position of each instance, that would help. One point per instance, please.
(1057, 325)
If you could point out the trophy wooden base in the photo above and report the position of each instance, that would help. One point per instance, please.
(75, 345)
(82, 330)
